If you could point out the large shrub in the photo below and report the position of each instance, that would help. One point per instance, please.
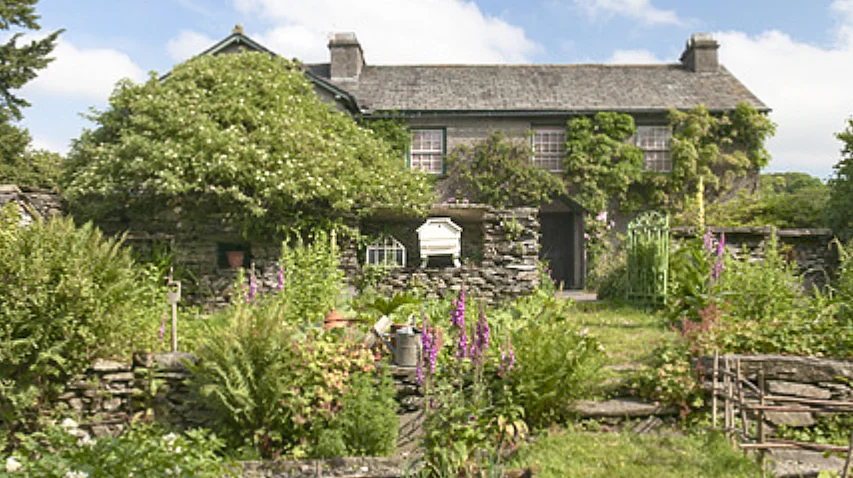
(243, 135)
(68, 295)
(556, 362)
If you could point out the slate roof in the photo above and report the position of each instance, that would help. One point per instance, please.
(540, 88)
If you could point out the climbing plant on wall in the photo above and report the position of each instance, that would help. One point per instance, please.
(601, 163)
(712, 149)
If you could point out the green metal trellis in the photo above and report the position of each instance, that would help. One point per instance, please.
(648, 258)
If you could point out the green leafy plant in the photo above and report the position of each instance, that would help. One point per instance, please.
(64, 451)
(272, 387)
(556, 363)
(472, 418)
(311, 277)
(68, 295)
(368, 421)
(669, 377)
(243, 136)
(841, 186)
(499, 172)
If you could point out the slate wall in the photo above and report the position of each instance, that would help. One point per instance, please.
(800, 377)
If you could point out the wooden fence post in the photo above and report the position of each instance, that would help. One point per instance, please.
(714, 389)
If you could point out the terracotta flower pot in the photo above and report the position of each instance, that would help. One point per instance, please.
(334, 319)
(235, 259)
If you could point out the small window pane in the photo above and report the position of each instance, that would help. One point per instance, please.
(427, 152)
(549, 146)
(655, 143)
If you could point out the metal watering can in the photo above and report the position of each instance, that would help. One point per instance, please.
(406, 349)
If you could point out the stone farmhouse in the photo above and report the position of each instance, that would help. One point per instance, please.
(448, 105)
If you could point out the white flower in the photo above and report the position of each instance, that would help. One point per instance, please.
(75, 474)
(178, 449)
(170, 439)
(86, 440)
(13, 465)
(69, 424)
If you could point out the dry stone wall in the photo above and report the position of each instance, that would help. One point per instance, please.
(812, 249)
(799, 377)
(109, 394)
(508, 269)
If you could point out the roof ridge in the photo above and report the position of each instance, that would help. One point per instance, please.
(519, 65)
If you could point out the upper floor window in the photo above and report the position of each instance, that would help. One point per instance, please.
(427, 151)
(549, 147)
(654, 141)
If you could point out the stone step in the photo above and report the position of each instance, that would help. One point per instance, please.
(618, 408)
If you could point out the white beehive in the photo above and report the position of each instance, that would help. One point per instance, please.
(439, 236)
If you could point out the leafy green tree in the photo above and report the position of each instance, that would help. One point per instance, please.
(20, 63)
(786, 200)
(499, 172)
(600, 162)
(243, 135)
(841, 187)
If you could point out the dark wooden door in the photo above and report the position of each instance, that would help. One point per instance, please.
(557, 245)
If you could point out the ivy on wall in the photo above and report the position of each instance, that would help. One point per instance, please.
(709, 153)
(601, 163)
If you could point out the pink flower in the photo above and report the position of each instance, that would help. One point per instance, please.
(601, 217)
(481, 337)
(457, 320)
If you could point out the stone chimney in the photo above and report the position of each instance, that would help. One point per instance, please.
(700, 54)
(347, 59)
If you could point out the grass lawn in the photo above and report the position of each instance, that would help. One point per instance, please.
(627, 334)
(565, 454)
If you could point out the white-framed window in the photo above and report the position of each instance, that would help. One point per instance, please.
(654, 141)
(386, 252)
(427, 151)
(549, 147)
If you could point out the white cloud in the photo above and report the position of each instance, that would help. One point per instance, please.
(641, 10)
(634, 57)
(414, 31)
(84, 73)
(188, 44)
(808, 88)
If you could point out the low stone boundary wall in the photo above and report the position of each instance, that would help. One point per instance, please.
(109, 394)
(106, 397)
(800, 377)
(812, 249)
(507, 270)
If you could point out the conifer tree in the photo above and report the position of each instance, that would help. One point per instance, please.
(20, 62)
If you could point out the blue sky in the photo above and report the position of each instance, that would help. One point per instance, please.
(796, 55)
